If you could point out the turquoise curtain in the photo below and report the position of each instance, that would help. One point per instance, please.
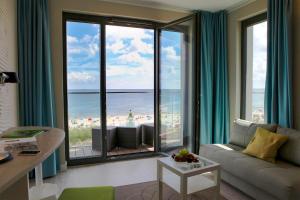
(36, 96)
(278, 91)
(214, 119)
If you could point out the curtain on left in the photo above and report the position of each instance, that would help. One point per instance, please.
(214, 111)
(36, 96)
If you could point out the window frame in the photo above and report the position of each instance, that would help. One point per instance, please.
(137, 23)
(103, 20)
(244, 25)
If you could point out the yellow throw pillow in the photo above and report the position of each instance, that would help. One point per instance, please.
(264, 144)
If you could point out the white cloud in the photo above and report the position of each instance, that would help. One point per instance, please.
(130, 58)
(259, 55)
(71, 39)
(134, 38)
(81, 77)
(124, 76)
(170, 53)
(88, 45)
(116, 33)
(142, 47)
(116, 47)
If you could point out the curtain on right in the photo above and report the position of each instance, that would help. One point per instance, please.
(278, 91)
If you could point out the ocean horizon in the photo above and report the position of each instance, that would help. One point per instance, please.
(85, 103)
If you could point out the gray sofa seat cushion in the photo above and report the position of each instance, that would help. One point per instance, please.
(290, 151)
(242, 131)
(281, 180)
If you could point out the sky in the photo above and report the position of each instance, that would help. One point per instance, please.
(129, 57)
(259, 55)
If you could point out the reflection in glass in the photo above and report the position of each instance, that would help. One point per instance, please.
(176, 86)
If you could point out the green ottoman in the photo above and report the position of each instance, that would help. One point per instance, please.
(88, 193)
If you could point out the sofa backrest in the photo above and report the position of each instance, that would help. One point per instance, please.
(290, 151)
(243, 131)
(238, 132)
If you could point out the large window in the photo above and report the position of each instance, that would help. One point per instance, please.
(109, 87)
(254, 65)
(129, 87)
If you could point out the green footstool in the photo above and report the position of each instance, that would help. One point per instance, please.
(88, 193)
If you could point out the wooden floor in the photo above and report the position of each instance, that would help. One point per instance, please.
(87, 151)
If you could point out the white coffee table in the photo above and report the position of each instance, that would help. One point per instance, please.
(188, 180)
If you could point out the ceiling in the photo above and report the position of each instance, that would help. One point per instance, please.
(186, 5)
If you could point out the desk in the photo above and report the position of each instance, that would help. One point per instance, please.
(14, 174)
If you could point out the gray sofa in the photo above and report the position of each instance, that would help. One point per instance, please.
(259, 179)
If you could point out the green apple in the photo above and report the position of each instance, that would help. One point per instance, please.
(183, 152)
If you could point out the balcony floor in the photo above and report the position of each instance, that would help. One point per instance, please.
(87, 151)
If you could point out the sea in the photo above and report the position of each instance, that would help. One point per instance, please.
(86, 103)
(258, 96)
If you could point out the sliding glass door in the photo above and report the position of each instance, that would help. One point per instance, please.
(129, 90)
(109, 88)
(129, 87)
(83, 76)
(177, 85)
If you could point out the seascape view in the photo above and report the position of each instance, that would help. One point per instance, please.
(84, 106)
(258, 105)
(124, 108)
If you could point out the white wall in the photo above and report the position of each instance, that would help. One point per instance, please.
(8, 62)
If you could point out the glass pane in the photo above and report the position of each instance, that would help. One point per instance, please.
(256, 71)
(130, 89)
(177, 86)
(83, 87)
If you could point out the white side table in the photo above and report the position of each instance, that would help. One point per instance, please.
(187, 181)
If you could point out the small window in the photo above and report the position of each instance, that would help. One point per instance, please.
(254, 67)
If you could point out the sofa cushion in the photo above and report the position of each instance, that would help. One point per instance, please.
(281, 180)
(252, 129)
(265, 144)
(242, 131)
(238, 132)
(290, 151)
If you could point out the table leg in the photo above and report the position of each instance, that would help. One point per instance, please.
(217, 177)
(183, 188)
(42, 190)
(159, 181)
(19, 190)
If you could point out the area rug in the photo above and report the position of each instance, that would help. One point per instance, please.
(149, 191)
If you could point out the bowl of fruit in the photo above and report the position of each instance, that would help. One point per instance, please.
(185, 159)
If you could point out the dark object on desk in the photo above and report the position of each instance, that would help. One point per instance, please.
(29, 152)
(9, 77)
(5, 156)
